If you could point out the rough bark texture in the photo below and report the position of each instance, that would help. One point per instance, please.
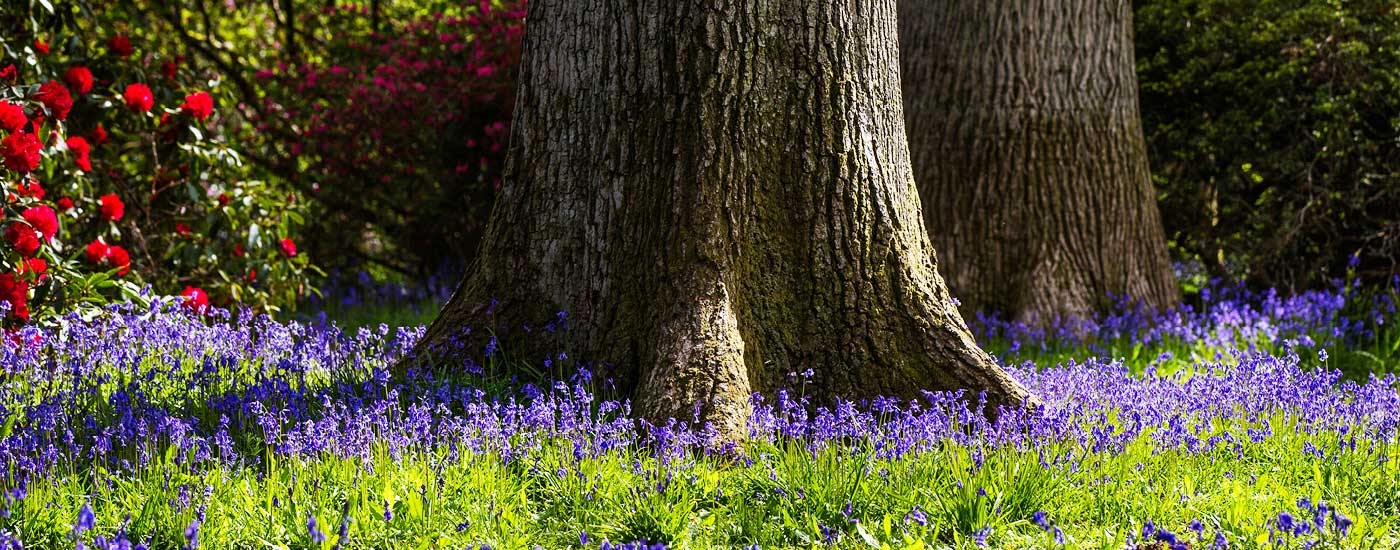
(718, 194)
(1028, 151)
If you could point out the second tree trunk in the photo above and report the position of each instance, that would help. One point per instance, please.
(1028, 152)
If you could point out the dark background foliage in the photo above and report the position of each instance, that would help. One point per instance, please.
(1272, 131)
(398, 134)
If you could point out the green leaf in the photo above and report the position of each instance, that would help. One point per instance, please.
(866, 536)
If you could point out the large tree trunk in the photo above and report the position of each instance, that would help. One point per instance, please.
(718, 195)
(1029, 154)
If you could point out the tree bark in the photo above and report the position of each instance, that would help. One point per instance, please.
(718, 194)
(1029, 154)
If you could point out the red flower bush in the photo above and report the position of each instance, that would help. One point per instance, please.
(56, 98)
(138, 97)
(120, 46)
(41, 47)
(198, 105)
(22, 238)
(21, 152)
(15, 290)
(11, 117)
(82, 152)
(289, 248)
(56, 114)
(79, 79)
(111, 206)
(43, 220)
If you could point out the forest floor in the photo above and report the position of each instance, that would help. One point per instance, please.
(1244, 420)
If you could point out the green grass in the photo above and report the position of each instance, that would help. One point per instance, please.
(717, 503)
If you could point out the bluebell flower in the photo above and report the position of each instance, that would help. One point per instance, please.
(916, 516)
(979, 537)
(192, 535)
(1040, 520)
(86, 519)
(313, 531)
(1341, 522)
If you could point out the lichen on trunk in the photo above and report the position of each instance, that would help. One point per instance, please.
(718, 196)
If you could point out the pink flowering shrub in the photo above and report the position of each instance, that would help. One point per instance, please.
(114, 175)
(400, 134)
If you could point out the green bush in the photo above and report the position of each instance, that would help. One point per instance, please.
(1272, 128)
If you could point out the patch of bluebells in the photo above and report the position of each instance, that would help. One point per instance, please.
(157, 386)
(1227, 316)
(1314, 525)
(362, 290)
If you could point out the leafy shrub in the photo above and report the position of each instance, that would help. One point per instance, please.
(116, 173)
(1272, 127)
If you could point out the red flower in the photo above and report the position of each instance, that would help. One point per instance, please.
(238, 250)
(11, 116)
(54, 96)
(169, 69)
(9, 72)
(289, 248)
(21, 151)
(117, 257)
(23, 238)
(42, 219)
(182, 229)
(102, 254)
(95, 252)
(138, 97)
(195, 299)
(111, 206)
(65, 204)
(30, 188)
(79, 79)
(80, 149)
(223, 199)
(99, 134)
(41, 46)
(15, 290)
(36, 266)
(120, 46)
(198, 105)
